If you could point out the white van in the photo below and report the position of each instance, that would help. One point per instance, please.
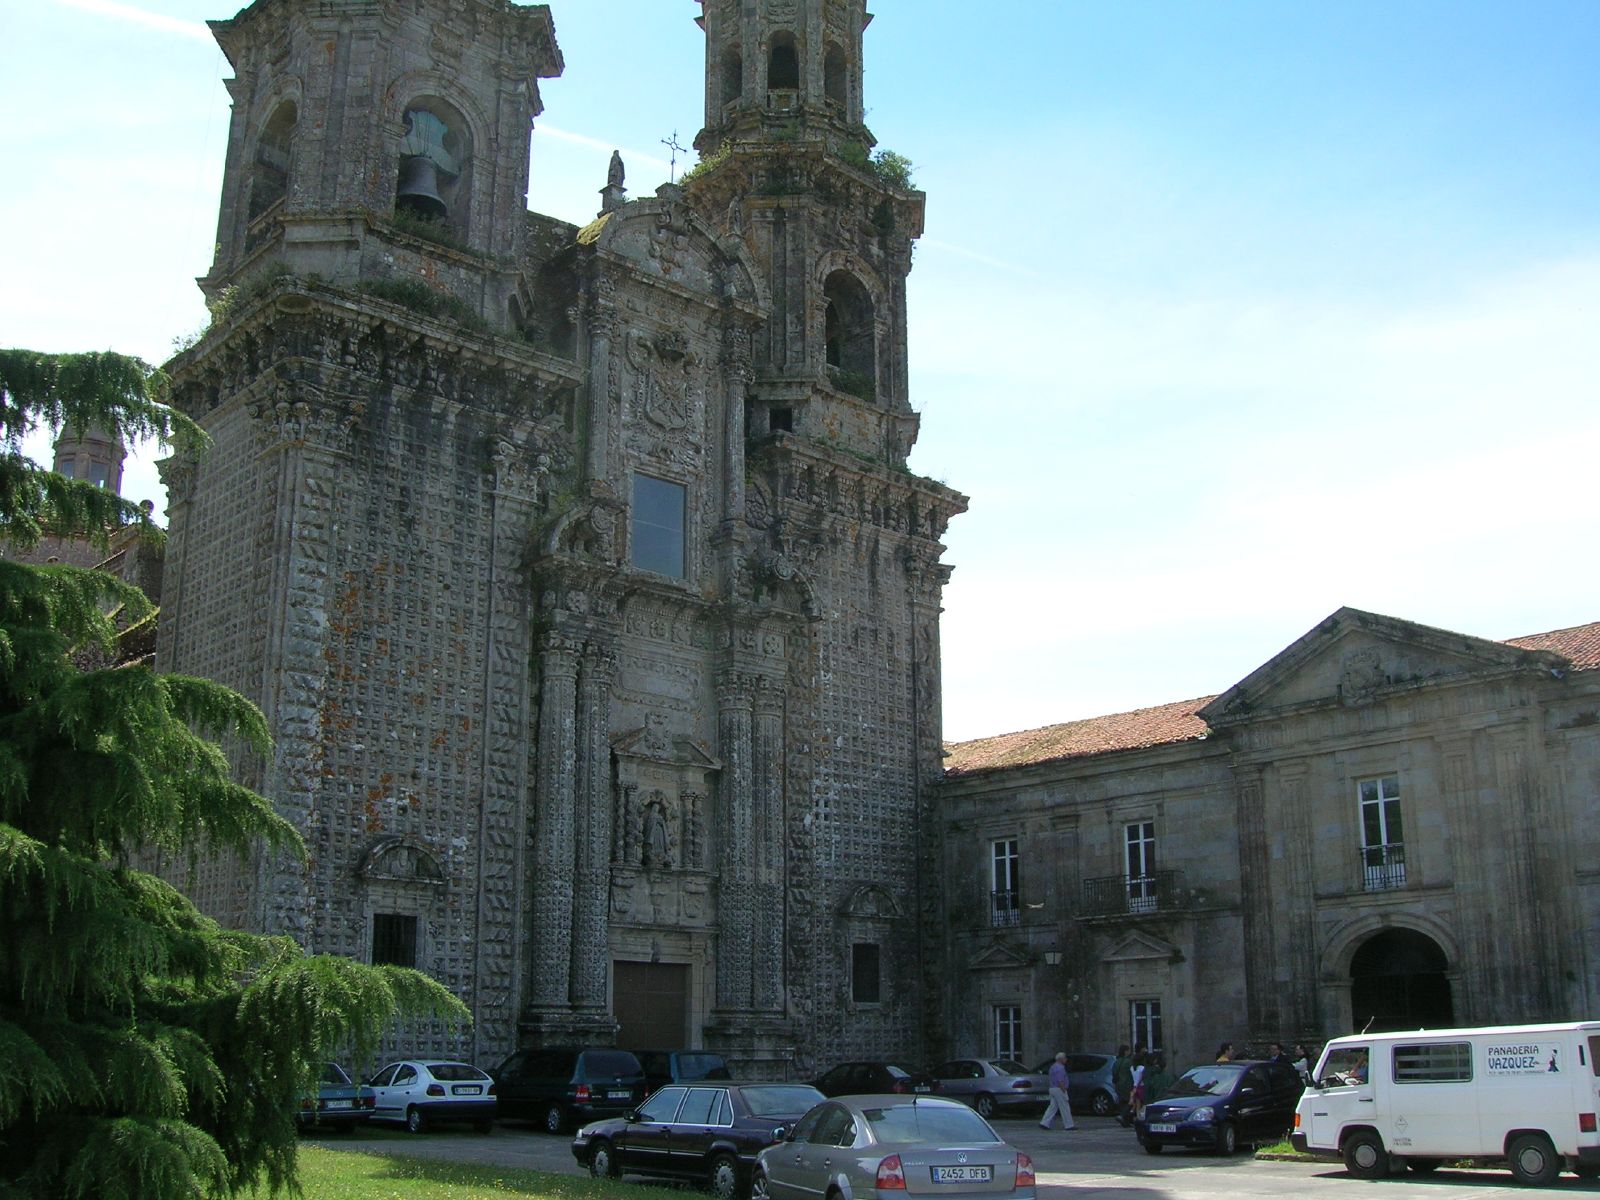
(1524, 1093)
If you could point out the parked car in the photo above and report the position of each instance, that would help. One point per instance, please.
(340, 1102)
(710, 1132)
(888, 1147)
(1217, 1107)
(873, 1078)
(662, 1067)
(424, 1092)
(1089, 1086)
(562, 1086)
(992, 1085)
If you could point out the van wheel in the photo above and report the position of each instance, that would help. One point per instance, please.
(1227, 1139)
(1101, 1105)
(1423, 1166)
(722, 1177)
(554, 1118)
(1364, 1155)
(985, 1106)
(1533, 1159)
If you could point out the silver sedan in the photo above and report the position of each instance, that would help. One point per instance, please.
(992, 1085)
(889, 1147)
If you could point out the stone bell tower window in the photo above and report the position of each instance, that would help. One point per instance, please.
(435, 155)
(732, 75)
(834, 75)
(783, 64)
(849, 334)
(269, 171)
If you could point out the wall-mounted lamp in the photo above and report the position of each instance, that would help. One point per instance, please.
(1052, 958)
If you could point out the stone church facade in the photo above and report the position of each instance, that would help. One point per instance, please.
(1386, 824)
(578, 571)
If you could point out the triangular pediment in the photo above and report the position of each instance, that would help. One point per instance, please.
(999, 957)
(1357, 657)
(1141, 947)
(655, 742)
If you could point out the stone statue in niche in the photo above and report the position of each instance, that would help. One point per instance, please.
(656, 851)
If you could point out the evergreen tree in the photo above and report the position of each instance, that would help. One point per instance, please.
(145, 1052)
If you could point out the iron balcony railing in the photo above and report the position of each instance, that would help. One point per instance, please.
(1383, 867)
(1114, 895)
(1005, 908)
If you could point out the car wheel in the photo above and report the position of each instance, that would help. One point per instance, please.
(602, 1161)
(1423, 1166)
(1227, 1139)
(758, 1185)
(416, 1120)
(722, 1177)
(554, 1118)
(1533, 1159)
(1151, 1147)
(1102, 1105)
(1364, 1155)
(985, 1106)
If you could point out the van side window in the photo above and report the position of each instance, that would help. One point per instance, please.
(1433, 1062)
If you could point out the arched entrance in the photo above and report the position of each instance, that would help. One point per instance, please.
(1397, 981)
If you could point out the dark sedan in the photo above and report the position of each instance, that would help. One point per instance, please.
(1217, 1107)
(340, 1102)
(707, 1131)
(874, 1078)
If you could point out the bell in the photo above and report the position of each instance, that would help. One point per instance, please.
(419, 188)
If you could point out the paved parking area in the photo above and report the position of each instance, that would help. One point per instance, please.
(1097, 1161)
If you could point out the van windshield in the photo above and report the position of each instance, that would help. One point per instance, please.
(1343, 1066)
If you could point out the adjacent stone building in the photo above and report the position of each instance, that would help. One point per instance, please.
(1386, 823)
(578, 571)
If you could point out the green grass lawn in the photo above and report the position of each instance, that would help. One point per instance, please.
(346, 1175)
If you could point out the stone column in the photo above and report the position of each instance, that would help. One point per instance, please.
(592, 827)
(768, 746)
(1475, 897)
(551, 937)
(736, 378)
(602, 323)
(1299, 925)
(735, 851)
(1255, 895)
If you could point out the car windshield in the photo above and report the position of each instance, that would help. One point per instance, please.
(940, 1123)
(333, 1073)
(455, 1071)
(1009, 1066)
(776, 1100)
(1206, 1081)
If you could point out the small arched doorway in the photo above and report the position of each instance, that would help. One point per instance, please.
(1398, 981)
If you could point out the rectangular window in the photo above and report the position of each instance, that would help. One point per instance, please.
(1144, 1023)
(1007, 1031)
(394, 940)
(1005, 897)
(865, 984)
(1139, 840)
(1433, 1062)
(1383, 852)
(658, 525)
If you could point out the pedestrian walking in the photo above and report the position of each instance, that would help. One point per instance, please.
(1058, 1096)
(1136, 1091)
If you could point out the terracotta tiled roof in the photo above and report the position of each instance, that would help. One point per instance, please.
(1136, 730)
(1581, 644)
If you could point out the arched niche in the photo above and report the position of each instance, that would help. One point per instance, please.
(269, 165)
(849, 334)
(835, 74)
(433, 179)
(732, 75)
(783, 64)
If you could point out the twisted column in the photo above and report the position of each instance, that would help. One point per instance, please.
(551, 935)
(767, 955)
(735, 852)
(592, 880)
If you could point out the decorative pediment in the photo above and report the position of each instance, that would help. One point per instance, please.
(400, 860)
(870, 902)
(1355, 658)
(654, 741)
(1141, 947)
(999, 957)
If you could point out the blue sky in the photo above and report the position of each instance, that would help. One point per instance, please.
(1227, 313)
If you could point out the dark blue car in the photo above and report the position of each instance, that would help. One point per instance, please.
(1217, 1107)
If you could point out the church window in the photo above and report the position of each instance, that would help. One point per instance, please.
(866, 984)
(780, 420)
(1008, 1031)
(732, 75)
(658, 526)
(849, 335)
(394, 939)
(435, 153)
(1383, 851)
(1144, 1023)
(834, 75)
(1005, 882)
(269, 170)
(783, 64)
(1139, 844)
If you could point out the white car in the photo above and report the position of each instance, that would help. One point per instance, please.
(422, 1092)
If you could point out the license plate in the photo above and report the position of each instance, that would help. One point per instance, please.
(336, 1104)
(922, 1087)
(622, 1095)
(469, 1090)
(1163, 1128)
(963, 1174)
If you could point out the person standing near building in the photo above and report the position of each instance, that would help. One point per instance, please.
(1302, 1062)
(1058, 1096)
(1225, 1052)
(1122, 1079)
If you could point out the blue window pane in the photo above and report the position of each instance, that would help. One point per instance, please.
(657, 532)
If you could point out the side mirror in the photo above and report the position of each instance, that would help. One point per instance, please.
(631, 1115)
(780, 1134)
